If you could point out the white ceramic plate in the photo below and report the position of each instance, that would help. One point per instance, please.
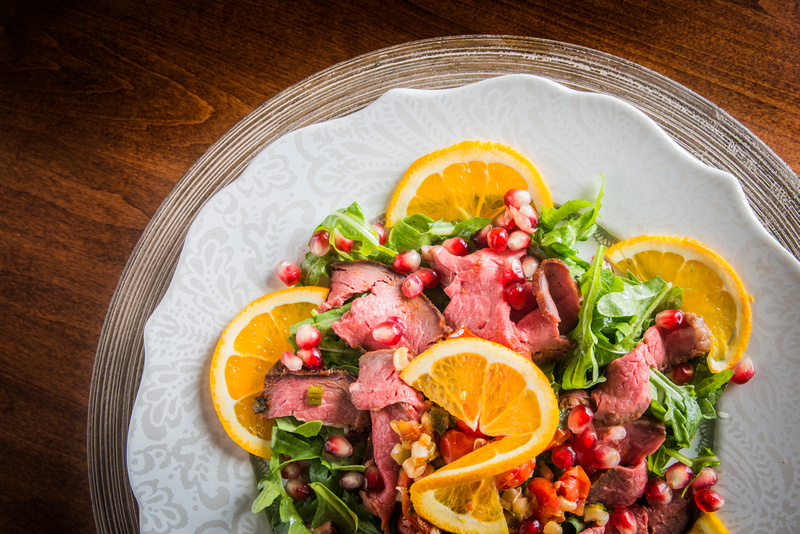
(189, 477)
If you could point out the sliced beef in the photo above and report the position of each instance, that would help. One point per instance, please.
(564, 292)
(285, 393)
(625, 394)
(595, 530)
(379, 383)
(384, 439)
(673, 518)
(424, 324)
(569, 399)
(642, 437)
(542, 337)
(681, 345)
(618, 486)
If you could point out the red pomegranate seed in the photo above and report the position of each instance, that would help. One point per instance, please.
(615, 433)
(512, 271)
(351, 480)
(481, 235)
(338, 446)
(381, 231)
(579, 418)
(298, 489)
(683, 373)
(312, 358)
(456, 246)
(430, 277)
(320, 243)
(412, 286)
(288, 272)
(743, 371)
(390, 331)
(529, 265)
(373, 481)
(407, 261)
(497, 239)
(505, 219)
(516, 198)
(623, 520)
(669, 319)
(657, 491)
(605, 457)
(530, 526)
(307, 336)
(709, 500)
(678, 476)
(706, 478)
(564, 456)
(586, 440)
(515, 295)
(518, 240)
(292, 361)
(525, 218)
(291, 471)
(341, 243)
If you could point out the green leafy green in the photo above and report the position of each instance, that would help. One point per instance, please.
(415, 231)
(293, 425)
(676, 407)
(336, 353)
(331, 508)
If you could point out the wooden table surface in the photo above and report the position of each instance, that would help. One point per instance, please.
(106, 104)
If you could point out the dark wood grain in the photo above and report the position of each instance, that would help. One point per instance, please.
(105, 105)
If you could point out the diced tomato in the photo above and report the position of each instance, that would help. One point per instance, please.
(560, 437)
(547, 505)
(463, 426)
(514, 477)
(456, 443)
(574, 484)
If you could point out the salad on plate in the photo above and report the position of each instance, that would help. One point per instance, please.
(460, 366)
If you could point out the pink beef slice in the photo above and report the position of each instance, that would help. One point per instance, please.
(625, 394)
(594, 530)
(424, 324)
(681, 345)
(673, 518)
(564, 293)
(379, 384)
(384, 439)
(642, 437)
(618, 486)
(285, 393)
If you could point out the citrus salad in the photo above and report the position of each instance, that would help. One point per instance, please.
(460, 368)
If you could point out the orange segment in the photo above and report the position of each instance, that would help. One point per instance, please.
(716, 292)
(464, 180)
(250, 345)
(708, 524)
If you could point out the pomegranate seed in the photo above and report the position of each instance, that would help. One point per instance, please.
(288, 272)
(291, 471)
(530, 526)
(456, 246)
(481, 235)
(615, 433)
(351, 480)
(743, 371)
(505, 219)
(657, 491)
(312, 358)
(683, 373)
(307, 336)
(515, 295)
(669, 319)
(390, 331)
(381, 231)
(564, 456)
(412, 286)
(585, 459)
(518, 240)
(341, 243)
(586, 440)
(709, 500)
(298, 489)
(320, 243)
(579, 418)
(706, 478)
(512, 271)
(338, 446)
(430, 277)
(291, 361)
(605, 457)
(373, 481)
(678, 476)
(497, 239)
(516, 198)
(623, 520)
(407, 261)
(529, 265)
(525, 218)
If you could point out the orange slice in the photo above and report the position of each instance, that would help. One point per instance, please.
(464, 180)
(716, 294)
(491, 387)
(250, 345)
(708, 524)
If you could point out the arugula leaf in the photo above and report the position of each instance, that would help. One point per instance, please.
(295, 426)
(678, 408)
(271, 488)
(336, 353)
(331, 508)
(353, 224)
(415, 231)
